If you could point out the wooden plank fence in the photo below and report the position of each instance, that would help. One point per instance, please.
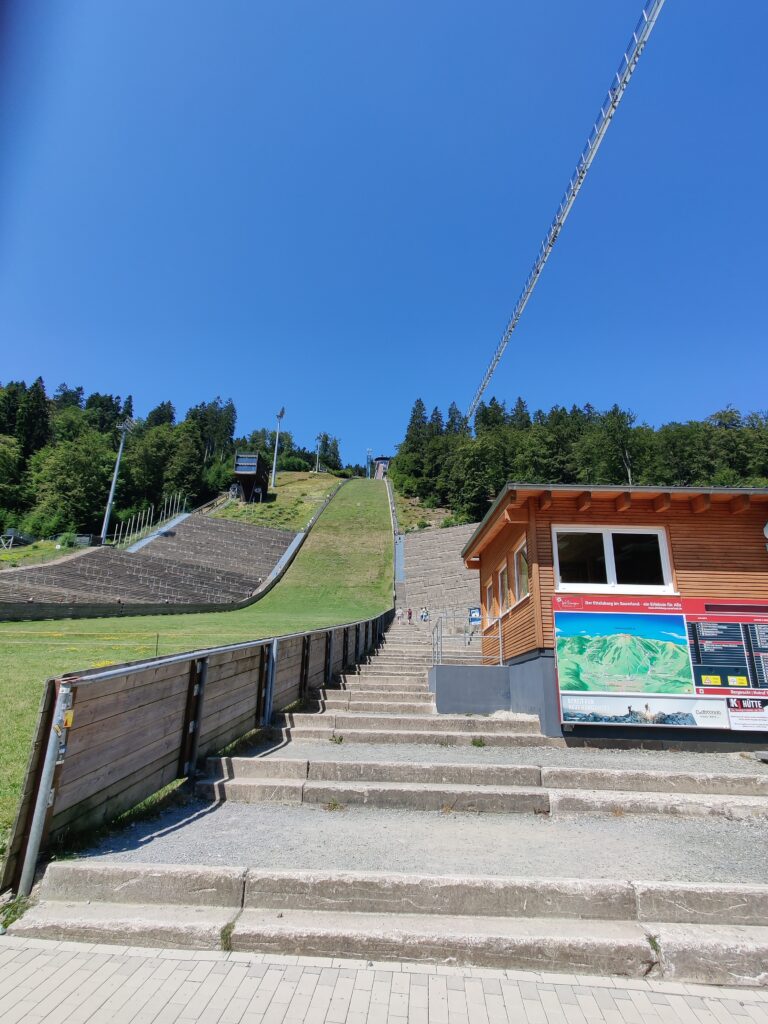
(134, 728)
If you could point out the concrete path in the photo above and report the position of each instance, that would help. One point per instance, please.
(44, 982)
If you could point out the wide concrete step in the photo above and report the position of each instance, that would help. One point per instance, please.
(371, 734)
(345, 703)
(524, 944)
(418, 796)
(597, 781)
(357, 684)
(470, 797)
(716, 955)
(178, 927)
(474, 724)
(355, 694)
(708, 932)
(387, 672)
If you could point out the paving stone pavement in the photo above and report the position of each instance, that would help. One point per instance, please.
(45, 982)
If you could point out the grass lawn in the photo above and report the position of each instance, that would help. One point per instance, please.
(342, 573)
(31, 554)
(290, 506)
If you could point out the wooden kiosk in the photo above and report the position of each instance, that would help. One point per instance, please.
(643, 606)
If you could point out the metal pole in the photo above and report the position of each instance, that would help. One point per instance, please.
(111, 498)
(44, 793)
(277, 439)
(317, 456)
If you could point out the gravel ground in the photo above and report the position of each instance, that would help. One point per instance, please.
(577, 757)
(367, 839)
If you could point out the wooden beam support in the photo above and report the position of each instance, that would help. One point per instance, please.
(472, 563)
(663, 502)
(516, 515)
(584, 501)
(701, 503)
(545, 500)
(623, 502)
(740, 503)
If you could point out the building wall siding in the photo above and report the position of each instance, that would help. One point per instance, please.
(713, 554)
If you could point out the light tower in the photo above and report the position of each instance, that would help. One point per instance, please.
(123, 429)
(277, 439)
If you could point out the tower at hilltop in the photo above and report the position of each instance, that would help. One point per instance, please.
(252, 476)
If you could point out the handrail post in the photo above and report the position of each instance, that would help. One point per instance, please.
(44, 799)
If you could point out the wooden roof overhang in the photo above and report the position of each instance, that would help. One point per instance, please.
(514, 503)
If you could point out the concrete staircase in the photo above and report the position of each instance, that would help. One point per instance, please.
(635, 929)
(370, 745)
(387, 700)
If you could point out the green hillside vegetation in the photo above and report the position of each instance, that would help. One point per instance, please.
(444, 464)
(413, 514)
(342, 573)
(57, 455)
(623, 663)
(290, 506)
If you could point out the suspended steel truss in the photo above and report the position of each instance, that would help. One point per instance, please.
(610, 104)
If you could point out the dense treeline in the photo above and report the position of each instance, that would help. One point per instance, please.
(57, 455)
(443, 462)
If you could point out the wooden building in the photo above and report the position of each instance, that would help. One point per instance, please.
(700, 554)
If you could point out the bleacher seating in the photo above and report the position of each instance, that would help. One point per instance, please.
(200, 561)
(435, 576)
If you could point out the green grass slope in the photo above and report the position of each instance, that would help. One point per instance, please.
(289, 506)
(342, 573)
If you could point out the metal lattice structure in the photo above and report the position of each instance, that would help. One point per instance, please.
(640, 36)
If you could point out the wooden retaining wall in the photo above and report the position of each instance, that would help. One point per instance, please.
(134, 728)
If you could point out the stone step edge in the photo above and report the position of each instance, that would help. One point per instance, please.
(708, 903)
(714, 955)
(694, 953)
(371, 707)
(617, 780)
(423, 722)
(450, 797)
(448, 739)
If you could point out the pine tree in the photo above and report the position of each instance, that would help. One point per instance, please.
(435, 427)
(33, 423)
(457, 422)
(520, 418)
(416, 431)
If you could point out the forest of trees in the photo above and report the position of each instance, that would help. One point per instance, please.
(444, 463)
(57, 454)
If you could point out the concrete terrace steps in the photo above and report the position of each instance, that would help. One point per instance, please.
(710, 933)
(501, 789)
(198, 561)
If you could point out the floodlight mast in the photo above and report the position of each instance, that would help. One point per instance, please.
(640, 36)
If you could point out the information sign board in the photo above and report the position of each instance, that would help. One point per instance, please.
(637, 660)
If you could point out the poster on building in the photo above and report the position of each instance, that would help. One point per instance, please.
(748, 714)
(659, 661)
(682, 713)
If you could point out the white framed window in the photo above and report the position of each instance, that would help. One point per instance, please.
(503, 577)
(522, 579)
(489, 600)
(601, 559)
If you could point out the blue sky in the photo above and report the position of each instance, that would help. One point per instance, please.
(333, 206)
(650, 627)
